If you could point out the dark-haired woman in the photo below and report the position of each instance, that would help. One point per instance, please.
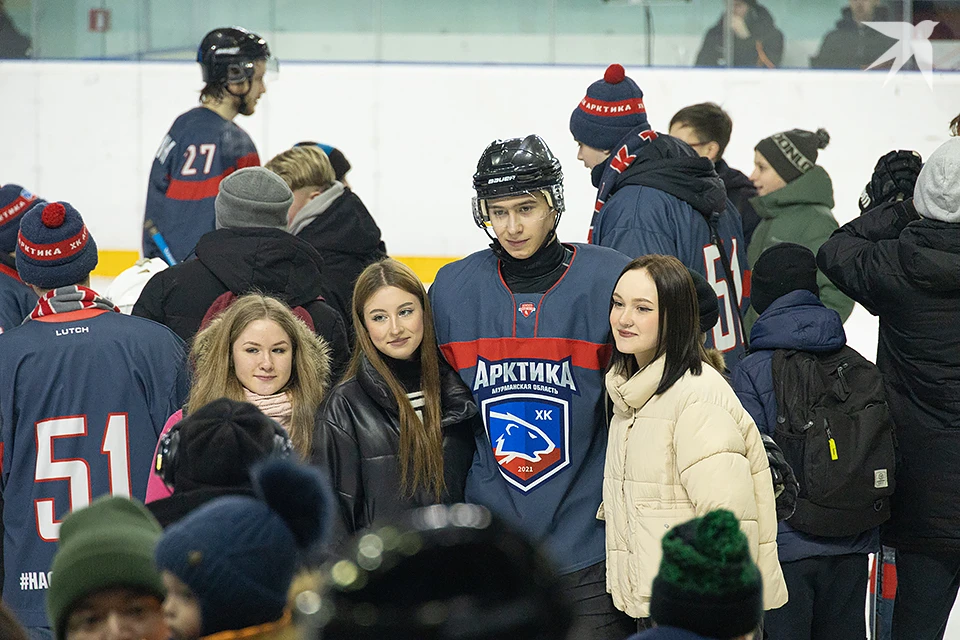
(680, 443)
(398, 432)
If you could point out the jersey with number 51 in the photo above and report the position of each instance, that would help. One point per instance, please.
(200, 150)
(83, 398)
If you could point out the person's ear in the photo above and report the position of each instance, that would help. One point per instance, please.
(712, 149)
(313, 194)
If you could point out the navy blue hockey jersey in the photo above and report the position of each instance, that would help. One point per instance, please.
(200, 150)
(83, 398)
(535, 363)
(16, 299)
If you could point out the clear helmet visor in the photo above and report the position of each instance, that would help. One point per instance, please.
(489, 211)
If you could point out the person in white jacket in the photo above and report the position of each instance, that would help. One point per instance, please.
(680, 443)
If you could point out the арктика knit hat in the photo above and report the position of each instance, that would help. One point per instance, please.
(109, 544)
(937, 193)
(253, 197)
(54, 247)
(707, 582)
(782, 268)
(238, 554)
(14, 202)
(612, 108)
(793, 153)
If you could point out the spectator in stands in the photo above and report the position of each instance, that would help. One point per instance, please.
(210, 453)
(331, 218)
(680, 443)
(16, 298)
(250, 251)
(757, 42)
(13, 44)
(901, 261)
(258, 351)
(84, 391)
(706, 127)
(826, 576)
(228, 565)
(794, 202)
(398, 433)
(852, 44)
(656, 195)
(104, 576)
(708, 586)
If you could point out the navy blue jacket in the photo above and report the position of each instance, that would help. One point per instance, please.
(798, 321)
(658, 205)
(17, 299)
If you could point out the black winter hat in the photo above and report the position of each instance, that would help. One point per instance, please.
(782, 268)
(217, 447)
(706, 301)
(793, 153)
(707, 582)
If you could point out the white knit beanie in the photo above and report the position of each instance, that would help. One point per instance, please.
(937, 194)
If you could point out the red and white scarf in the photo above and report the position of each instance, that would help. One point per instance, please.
(72, 298)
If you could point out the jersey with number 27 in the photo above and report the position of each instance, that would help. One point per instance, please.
(200, 150)
(83, 398)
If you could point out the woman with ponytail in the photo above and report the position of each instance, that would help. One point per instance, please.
(397, 433)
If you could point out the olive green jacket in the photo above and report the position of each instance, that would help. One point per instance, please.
(800, 212)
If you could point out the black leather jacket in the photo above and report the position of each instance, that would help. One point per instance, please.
(357, 439)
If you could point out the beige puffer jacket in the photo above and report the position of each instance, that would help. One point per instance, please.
(671, 458)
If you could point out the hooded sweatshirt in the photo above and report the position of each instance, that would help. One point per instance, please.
(660, 204)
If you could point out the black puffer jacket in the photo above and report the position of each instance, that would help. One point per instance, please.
(348, 239)
(907, 271)
(358, 440)
(270, 261)
(739, 191)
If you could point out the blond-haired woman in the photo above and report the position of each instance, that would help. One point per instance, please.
(258, 351)
(680, 443)
(398, 432)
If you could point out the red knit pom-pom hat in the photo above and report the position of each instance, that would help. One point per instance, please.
(54, 247)
(611, 109)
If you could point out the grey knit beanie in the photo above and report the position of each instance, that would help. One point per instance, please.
(937, 193)
(253, 197)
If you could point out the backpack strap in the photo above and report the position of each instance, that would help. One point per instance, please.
(713, 221)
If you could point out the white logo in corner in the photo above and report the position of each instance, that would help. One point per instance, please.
(912, 41)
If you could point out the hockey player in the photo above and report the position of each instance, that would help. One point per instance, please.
(656, 195)
(16, 299)
(204, 145)
(525, 324)
(84, 393)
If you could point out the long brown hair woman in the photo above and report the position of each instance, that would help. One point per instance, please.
(397, 433)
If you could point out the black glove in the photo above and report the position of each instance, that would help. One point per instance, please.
(785, 485)
(893, 179)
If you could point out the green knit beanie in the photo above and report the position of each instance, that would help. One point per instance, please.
(708, 583)
(107, 544)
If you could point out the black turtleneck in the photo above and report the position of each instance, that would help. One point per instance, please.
(537, 273)
(407, 372)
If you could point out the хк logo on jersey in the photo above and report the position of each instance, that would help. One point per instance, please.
(529, 436)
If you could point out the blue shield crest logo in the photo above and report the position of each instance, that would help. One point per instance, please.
(530, 437)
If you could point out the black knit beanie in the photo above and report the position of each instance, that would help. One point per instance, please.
(782, 268)
(706, 301)
(707, 581)
(793, 153)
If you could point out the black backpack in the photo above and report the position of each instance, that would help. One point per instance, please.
(835, 430)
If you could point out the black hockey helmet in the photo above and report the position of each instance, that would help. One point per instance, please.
(226, 55)
(515, 166)
(442, 572)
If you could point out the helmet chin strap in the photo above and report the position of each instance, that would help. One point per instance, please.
(242, 107)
